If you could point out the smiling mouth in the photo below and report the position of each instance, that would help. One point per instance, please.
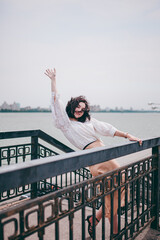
(78, 115)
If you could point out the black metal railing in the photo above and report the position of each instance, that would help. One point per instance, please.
(32, 150)
(61, 214)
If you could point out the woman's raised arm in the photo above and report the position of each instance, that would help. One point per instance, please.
(60, 117)
(52, 75)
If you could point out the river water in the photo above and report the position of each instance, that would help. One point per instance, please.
(142, 125)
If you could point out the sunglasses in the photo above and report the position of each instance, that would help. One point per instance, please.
(81, 111)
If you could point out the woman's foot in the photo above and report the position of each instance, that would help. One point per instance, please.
(90, 226)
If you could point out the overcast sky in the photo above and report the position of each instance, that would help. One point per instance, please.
(107, 50)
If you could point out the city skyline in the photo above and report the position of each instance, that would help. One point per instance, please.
(97, 108)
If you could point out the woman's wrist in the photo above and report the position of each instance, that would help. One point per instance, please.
(53, 79)
(126, 135)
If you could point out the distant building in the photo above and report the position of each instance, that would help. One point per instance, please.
(95, 108)
(107, 109)
(5, 106)
(13, 107)
(26, 108)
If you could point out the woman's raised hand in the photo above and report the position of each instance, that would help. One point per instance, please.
(51, 73)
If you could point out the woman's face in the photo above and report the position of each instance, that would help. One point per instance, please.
(79, 111)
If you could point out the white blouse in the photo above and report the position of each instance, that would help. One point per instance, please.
(78, 133)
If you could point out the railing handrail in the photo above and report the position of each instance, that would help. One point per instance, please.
(47, 138)
(18, 134)
(10, 176)
(36, 133)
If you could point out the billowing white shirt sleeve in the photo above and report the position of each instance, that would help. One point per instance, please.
(60, 117)
(103, 128)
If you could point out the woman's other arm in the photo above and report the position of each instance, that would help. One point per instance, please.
(127, 135)
(106, 129)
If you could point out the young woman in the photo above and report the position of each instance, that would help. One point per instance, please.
(81, 130)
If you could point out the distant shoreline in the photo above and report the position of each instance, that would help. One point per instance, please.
(102, 111)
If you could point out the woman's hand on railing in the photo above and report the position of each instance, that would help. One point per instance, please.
(129, 136)
(132, 138)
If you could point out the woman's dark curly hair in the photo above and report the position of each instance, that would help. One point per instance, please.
(73, 104)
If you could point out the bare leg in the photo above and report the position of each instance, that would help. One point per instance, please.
(99, 214)
(115, 220)
(115, 224)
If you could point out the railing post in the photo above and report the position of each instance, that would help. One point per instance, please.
(0, 158)
(156, 187)
(34, 155)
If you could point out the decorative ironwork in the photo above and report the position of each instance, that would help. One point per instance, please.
(37, 214)
(15, 154)
(45, 152)
(25, 152)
